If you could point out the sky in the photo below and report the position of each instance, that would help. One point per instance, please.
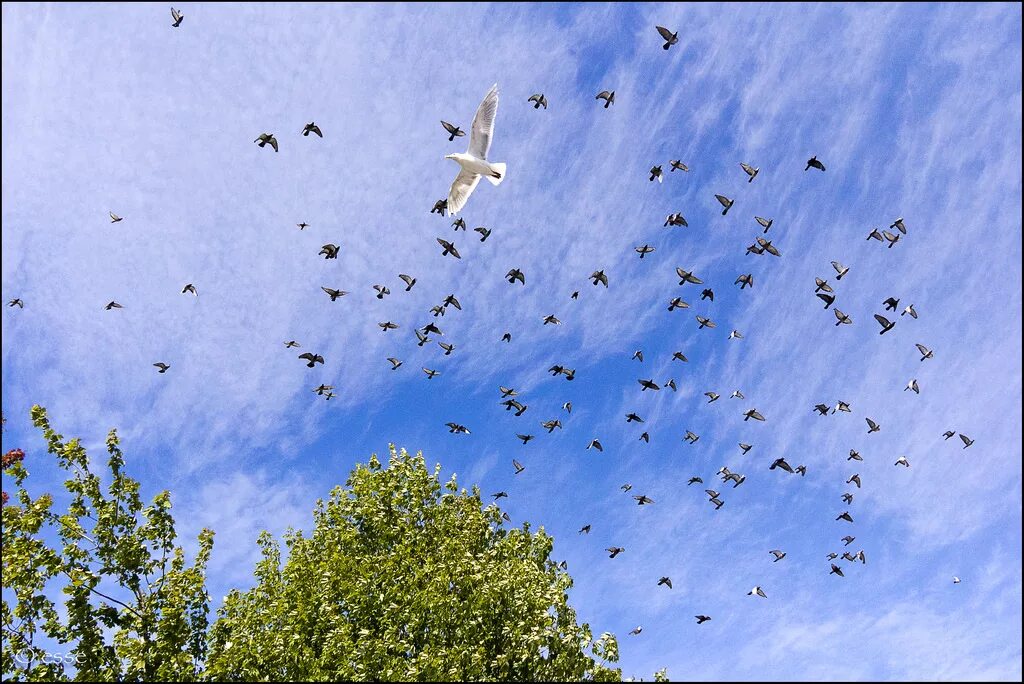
(915, 110)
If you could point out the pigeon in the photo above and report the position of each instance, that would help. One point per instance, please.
(645, 437)
(633, 418)
(822, 285)
(902, 460)
(845, 515)
(484, 232)
(840, 270)
(112, 305)
(745, 448)
(642, 500)
(525, 438)
(643, 251)
(735, 335)
(500, 495)
(891, 238)
(452, 300)
(670, 38)
(388, 325)
(813, 161)
(678, 164)
(266, 139)
(518, 466)
(395, 363)
(781, 463)
(550, 425)
(842, 318)
(736, 394)
(912, 385)
(514, 275)
(656, 174)
(636, 630)
(454, 130)
(753, 413)
(575, 295)
(705, 322)
(875, 235)
(513, 404)
(909, 310)
(956, 580)
(177, 17)
(712, 396)
(966, 440)
(676, 219)
(665, 581)
(712, 494)
(440, 207)
(854, 456)
(114, 218)
(750, 171)
(765, 223)
(431, 373)
(599, 277)
(303, 225)
(832, 556)
(898, 225)
(891, 304)
(802, 469)
(330, 251)
(455, 429)
(860, 556)
(872, 426)
(552, 320)
(827, 298)
(190, 289)
(16, 302)
(648, 385)
(312, 359)
(311, 127)
(886, 324)
(322, 389)
(614, 551)
(607, 96)
(538, 101)
(670, 383)
(836, 570)
(291, 343)
(162, 366)
(847, 540)
(745, 280)
(779, 555)
(459, 224)
(701, 619)
(687, 277)
(736, 478)
(691, 437)
(448, 248)
(847, 498)
(422, 339)
(332, 293)
(584, 530)
(408, 280)
(596, 444)
(758, 591)
(717, 502)
(639, 355)
(474, 161)
(948, 433)
(725, 202)
(447, 348)
(567, 406)
(821, 409)
(855, 479)
(708, 293)
(767, 246)
(694, 480)
(841, 406)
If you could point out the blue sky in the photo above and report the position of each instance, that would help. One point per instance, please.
(914, 109)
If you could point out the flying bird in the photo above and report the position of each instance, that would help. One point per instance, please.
(330, 251)
(514, 275)
(267, 139)
(453, 129)
(648, 385)
(781, 463)
(636, 630)
(840, 270)
(599, 277)
(474, 161)
(633, 418)
(665, 581)
(584, 530)
(745, 280)
(332, 293)
(112, 305)
(687, 277)
(891, 238)
(956, 580)
(735, 335)
(677, 303)
(909, 310)
(440, 207)
(836, 570)
(670, 38)
(845, 515)
(190, 289)
(676, 219)
(177, 17)
(642, 500)
(448, 248)
(725, 202)
(455, 429)
(291, 343)
(898, 225)
(567, 406)
(705, 323)
(765, 223)
(607, 96)
(312, 359)
(388, 325)
(822, 285)
(966, 440)
(855, 479)
(886, 324)
(827, 298)
(162, 366)
(711, 396)
(694, 480)
(750, 171)
(854, 456)
(484, 232)
(395, 363)
(614, 551)
(757, 591)
(678, 164)
(745, 448)
(431, 373)
(813, 161)
(891, 304)
(459, 224)
(656, 174)
(643, 251)
(752, 413)
(538, 101)
(912, 385)
(500, 495)
(525, 438)
(322, 389)
(779, 555)
(701, 619)
(708, 293)
(311, 127)
(551, 319)
(639, 355)
(902, 460)
(114, 218)
(875, 235)
(842, 318)
(303, 225)
(596, 444)
(408, 280)
(691, 437)
(872, 426)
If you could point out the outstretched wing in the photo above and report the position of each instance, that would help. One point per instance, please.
(665, 33)
(483, 125)
(463, 185)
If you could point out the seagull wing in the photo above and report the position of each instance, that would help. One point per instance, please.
(462, 187)
(483, 126)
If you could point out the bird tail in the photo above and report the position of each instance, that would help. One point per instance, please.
(497, 173)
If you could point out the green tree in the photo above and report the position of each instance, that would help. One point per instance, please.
(134, 611)
(403, 579)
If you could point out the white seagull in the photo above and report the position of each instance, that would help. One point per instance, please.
(474, 161)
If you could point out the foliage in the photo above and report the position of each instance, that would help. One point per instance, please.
(402, 579)
(133, 610)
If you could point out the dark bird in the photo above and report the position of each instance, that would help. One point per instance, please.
(584, 530)
(607, 96)
(421, 338)
(701, 619)
(802, 469)
(312, 359)
(670, 38)
(948, 433)
(431, 373)
(655, 173)
(452, 300)
(705, 322)
(576, 294)
(750, 171)
(891, 238)
(599, 277)
(765, 223)
(847, 498)
(691, 437)
(447, 348)
(408, 280)
(514, 275)
(459, 224)
(395, 363)
(717, 502)
(113, 305)
(638, 355)
(708, 293)
(388, 325)
(595, 444)
(330, 251)
(525, 438)
(872, 426)
(633, 418)
(614, 551)
(177, 17)
(636, 630)
(725, 202)
(847, 540)
(840, 270)
(687, 277)
(841, 406)
(642, 500)
(712, 396)
(567, 406)
(507, 391)
(190, 289)
(291, 343)
(966, 440)
(332, 293)
(510, 404)
(550, 425)
(449, 248)
(550, 318)
(676, 219)
(665, 581)
(845, 515)
(322, 389)
(440, 207)
(671, 383)
(648, 385)
(114, 218)
(767, 246)
(303, 225)
(643, 251)
(454, 130)
(677, 164)
(842, 318)
(266, 139)
(16, 302)
(745, 448)
(781, 463)
(855, 479)
(822, 285)
(827, 298)
(500, 495)
(752, 413)
(813, 161)
(836, 570)
(677, 303)
(854, 456)
(538, 101)
(645, 437)
(694, 480)
(745, 280)
(909, 310)
(162, 366)
(832, 556)
(891, 304)
(875, 234)
(311, 127)
(821, 408)
(484, 232)
(455, 429)
(779, 555)
(886, 324)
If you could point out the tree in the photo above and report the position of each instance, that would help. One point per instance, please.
(401, 579)
(134, 611)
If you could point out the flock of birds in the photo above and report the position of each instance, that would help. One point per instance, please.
(474, 166)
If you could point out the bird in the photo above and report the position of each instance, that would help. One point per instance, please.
(781, 463)
(177, 17)
(966, 440)
(311, 127)
(678, 164)
(845, 515)
(671, 383)
(855, 479)
(513, 404)
(802, 469)
(448, 248)
(447, 348)
(765, 223)
(847, 540)
(712, 494)
(330, 251)
(599, 277)
(842, 318)
(656, 174)
(303, 225)
(550, 425)
(757, 591)
(421, 338)
(665, 581)
(875, 235)
(474, 161)
(725, 202)
(575, 294)
(840, 270)
(596, 444)
(614, 551)
(459, 224)
(708, 293)
(440, 207)
(735, 477)
(747, 279)
(891, 304)
(822, 285)
(912, 385)
(538, 100)
(705, 322)
(114, 218)
(694, 480)
(676, 219)
(584, 530)
(452, 300)
(750, 171)
(636, 630)
(735, 335)
(821, 409)
(832, 556)
(902, 460)
(670, 38)
(395, 363)
(891, 238)
(645, 437)
(567, 406)
(678, 356)
(827, 298)
(745, 448)
(948, 433)
(842, 406)
(162, 366)
(872, 426)
(752, 413)
(779, 555)
(190, 289)
(322, 389)
(642, 500)
(909, 310)
(691, 437)
(408, 280)
(525, 438)
(886, 324)
(550, 318)
(431, 373)
(687, 277)
(455, 428)
(607, 96)
(484, 232)
(633, 418)
(453, 129)
(514, 275)
(701, 619)
(112, 305)
(638, 355)
(767, 246)
(712, 396)
(898, 225)
(836, 570)
(643, 251)
(507, 391)
(267, 139)
(332, 293)
(388, 325)
(648, 385)
(956, 580)
(291, 343)
(854, 456)
(813, 161)
(312, 359)
(847, 498)
(717, 502)
(500, 495)
(506, 337)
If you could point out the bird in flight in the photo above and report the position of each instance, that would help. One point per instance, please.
(291, 343)
(177, 17)
(966, 440)
(329, 251)
(902, 460)
(311, 127)
(842, 318)
(665, 581)
(836, 570)
(448, 248)
(912, 385)
(454, 130)
(725, 202)
(312, 359)
(113, 305)
(190, 289)
(538, 100)
(758, 591)
(701, 619)
(607, 96)
(678, 164)
(431, 373)
(525, 438)
(750, 171)
(162, 366)
(886, 324)
(440, 207)
(266, 139)
(765, 223)
(395, 363)
(872, 426)
(840, 270)
(596, 444)
(584, 530)
(600, 277)
(813, 161)
(909, 310)
(670, 38)
(614, 551)
(636, 630)
(474, 161)
(752, 413)
(332, 293)
(779, 555)
(656, 174)
(114, 218)
(676, 219)
(303, 225)
(322, 389)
